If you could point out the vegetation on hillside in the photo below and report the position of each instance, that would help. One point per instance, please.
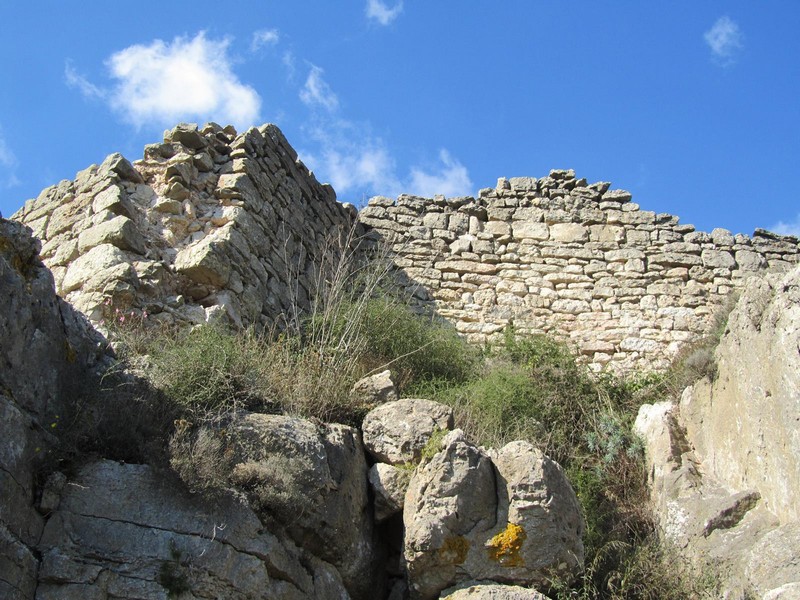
(523, 388)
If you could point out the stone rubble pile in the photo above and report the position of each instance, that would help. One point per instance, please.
(208, 225)
(627, 287)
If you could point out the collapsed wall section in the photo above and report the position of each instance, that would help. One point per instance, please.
(627, 287)
(208, 225)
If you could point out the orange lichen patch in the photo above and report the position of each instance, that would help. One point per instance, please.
(504, 548)
(454, 550)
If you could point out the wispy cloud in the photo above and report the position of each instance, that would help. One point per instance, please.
(186, 79)
(356, 161)
(262, 38)
(790, 228)
(450, 178)
(316, 91)
(725, 40)
(76, 80)
(8, 165)
(380, 12)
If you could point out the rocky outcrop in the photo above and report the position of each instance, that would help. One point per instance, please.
(46, 349)
(627, 287)
(208, 225)
(396, 432)
(508, 516)
(723, 463)
(128, 531)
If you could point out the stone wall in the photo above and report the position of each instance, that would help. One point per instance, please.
(209, 225)
(627, 287)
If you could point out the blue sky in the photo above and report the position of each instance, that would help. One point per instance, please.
(692, 106)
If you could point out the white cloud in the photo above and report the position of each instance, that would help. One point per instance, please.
(79, 82)
(264, 37)
(316, 92)
(7, 158)
(183, 80)
(791, 228)
(449, 179)
(8, 165)
(379, 11)
(724, 39)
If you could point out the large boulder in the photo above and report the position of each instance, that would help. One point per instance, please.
(128, 531)
(396, 432)
(307, 479)
(491, 591)
(509, 516)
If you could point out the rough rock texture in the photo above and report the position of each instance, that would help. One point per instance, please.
(314, 480)
(209, 225)
(759, 381)
(396, 432)
(127, 531)
(466, 518)
(627, 287)
(389, 485)
(723, 463)
(46, 348)
(491, 591)
(375, 389)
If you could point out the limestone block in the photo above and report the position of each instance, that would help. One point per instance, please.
(92, 270)
(571, 307)
(534, 231)
(119, 231)
(396, 432)
(375, 389)
(204, 262)
(750, 261)
(718, 259)
(722, 237)
(674, 259)
(474, 590)
(569, 233)
(619, 196)
(523, 184)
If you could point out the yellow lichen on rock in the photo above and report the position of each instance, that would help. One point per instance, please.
(504, 548)
(455, 549)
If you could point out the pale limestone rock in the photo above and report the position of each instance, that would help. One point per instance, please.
(759, 382)
(531, 230)
(102, 264)
(568, 233)
(462, 524)
(396, 432)
(389, 484)
(119, 231)
(490, 591)
(375, 389)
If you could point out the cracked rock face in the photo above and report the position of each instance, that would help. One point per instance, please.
(44, 345)
(509, 515)
(128, 531)
(723, 463)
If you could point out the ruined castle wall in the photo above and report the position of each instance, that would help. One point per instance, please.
(209, 225)
(625, 286)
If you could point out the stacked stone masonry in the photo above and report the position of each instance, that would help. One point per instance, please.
(626, 287)
(213, 225)
(209, 225)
